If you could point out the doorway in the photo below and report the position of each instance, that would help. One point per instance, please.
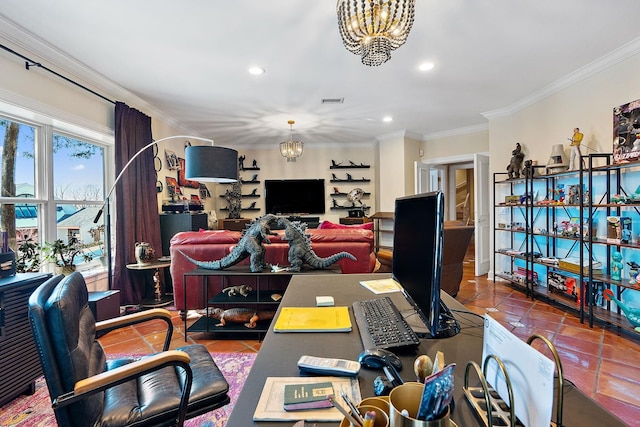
(465, 182)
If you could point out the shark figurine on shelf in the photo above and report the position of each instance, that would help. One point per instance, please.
(632, 313)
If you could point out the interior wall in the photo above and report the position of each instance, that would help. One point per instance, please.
(475, 140)
(44, 93)
(411, 155)
(314, 163)
(588, 105)
(392, 165)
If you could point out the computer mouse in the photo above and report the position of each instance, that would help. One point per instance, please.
(377, 358)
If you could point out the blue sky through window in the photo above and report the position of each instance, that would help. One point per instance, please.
(74, 178)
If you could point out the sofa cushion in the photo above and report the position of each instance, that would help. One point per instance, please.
(208, 237)
(332, 225)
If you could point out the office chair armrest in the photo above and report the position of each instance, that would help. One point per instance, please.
(140, 317)
(122, 374)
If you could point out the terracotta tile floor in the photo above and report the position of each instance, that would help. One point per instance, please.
(602, 362)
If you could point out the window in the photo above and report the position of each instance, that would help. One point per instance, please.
(52, 184)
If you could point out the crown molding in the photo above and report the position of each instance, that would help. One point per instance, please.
(21, 39)
(612, 58)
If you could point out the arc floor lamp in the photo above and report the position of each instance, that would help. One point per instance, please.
(207, 163)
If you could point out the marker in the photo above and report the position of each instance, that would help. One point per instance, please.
(344, 412)
(369, 419)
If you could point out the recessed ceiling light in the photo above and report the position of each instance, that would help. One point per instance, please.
(256, 71)
(426, 66)
(387, 119)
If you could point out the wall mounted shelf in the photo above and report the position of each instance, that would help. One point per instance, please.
(351, 180)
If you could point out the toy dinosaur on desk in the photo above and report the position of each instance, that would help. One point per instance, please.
(632, 313)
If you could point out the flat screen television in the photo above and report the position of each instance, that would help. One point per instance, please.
(294, 196)
(417, 260)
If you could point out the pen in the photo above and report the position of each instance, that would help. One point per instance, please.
(369, 418)
(344, 412)
(354, 410)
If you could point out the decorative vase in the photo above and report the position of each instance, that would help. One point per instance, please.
(144, 253)
(558, 160)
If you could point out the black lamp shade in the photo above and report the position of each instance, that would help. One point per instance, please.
(211, 163)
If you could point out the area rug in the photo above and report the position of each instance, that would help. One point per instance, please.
(35, 410)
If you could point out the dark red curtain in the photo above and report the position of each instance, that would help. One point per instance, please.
(136, 206)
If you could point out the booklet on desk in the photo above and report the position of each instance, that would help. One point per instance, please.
(270, 405)
(313, 319)
(298, 397)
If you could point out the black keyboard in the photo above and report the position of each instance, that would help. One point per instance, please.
(382, 326)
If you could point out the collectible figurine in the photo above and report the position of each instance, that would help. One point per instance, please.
(576, 139)
(515, 164)
(616, 266)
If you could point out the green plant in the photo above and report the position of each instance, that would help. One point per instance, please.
(28, 256)
(63, 254)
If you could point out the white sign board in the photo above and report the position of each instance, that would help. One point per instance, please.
(530, 372)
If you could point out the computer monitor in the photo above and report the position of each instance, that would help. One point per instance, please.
(417, 259)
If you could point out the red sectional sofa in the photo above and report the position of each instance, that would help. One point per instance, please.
(215, 244)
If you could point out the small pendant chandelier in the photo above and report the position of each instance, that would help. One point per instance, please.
(373, 28)
(291, 149)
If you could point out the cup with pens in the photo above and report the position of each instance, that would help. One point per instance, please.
(360, 415)
(412, 404)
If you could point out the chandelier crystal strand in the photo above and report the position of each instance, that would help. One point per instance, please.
(291, 149)
(373, 28)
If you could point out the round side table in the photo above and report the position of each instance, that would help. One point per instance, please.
(159, 299)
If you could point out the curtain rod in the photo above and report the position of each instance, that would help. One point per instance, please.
(31, 63)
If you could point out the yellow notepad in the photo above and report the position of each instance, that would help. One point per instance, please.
(313, 319)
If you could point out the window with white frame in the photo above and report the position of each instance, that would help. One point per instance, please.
(52, 185)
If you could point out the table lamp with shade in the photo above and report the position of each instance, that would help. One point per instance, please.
(206, 163)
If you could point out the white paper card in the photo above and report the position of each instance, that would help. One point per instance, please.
(531, 374)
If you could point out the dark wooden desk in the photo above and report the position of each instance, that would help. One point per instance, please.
(280, 352)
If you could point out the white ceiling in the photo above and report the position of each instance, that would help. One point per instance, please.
(188, 60)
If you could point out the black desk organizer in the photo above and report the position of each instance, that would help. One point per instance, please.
(487, 403)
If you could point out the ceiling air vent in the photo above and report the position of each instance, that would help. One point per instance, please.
(332, 100)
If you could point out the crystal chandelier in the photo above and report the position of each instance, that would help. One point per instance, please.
(291, 149)
(373, 28)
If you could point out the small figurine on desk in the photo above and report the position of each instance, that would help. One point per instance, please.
(616, 266)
